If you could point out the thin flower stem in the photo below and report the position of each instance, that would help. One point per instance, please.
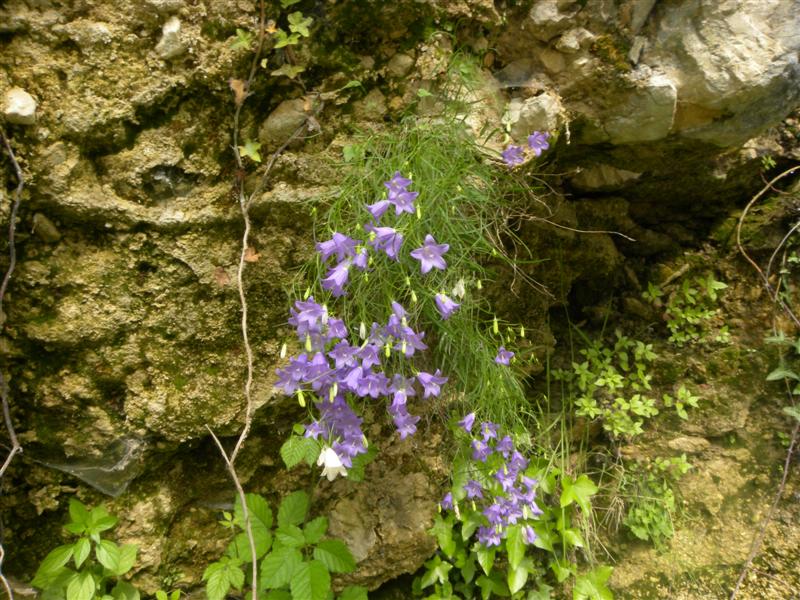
(248, 526)
(16, 448)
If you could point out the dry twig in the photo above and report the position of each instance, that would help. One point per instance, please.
(12, 262)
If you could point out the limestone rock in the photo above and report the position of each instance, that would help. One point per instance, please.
(731, 59)
(640, 10)
(282, 123)
(574, 39)
(541, 113)
(602, 177)
(19, 107)
(372, 107)
(399, 65)
(647, 114)
(689, 444)
(547, 20)
(553, 61)
(170, 45)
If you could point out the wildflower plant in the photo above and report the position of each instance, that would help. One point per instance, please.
(498, 526)
(86, 568)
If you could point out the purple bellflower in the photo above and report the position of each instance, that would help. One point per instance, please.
(386, 239)
(537, 141)
(430, 254)
(445, 306)
(340, 245)
(513, 156)
(336, 278)
(467, 422)
(503, 356)
(431, 384)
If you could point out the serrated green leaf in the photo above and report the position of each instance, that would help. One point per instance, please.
(290, 536)
(218, 584)
(81, 587)
(515, 546)
(260, 523)
(572, 538)
(293, 508)
(315, 529)
(354, 592)
(244, 39)
(579, 490)
(108, 555)
(293, 451)
(282, 39)
(161, 595)
(336, 556)
(592, 585)
(82, 548)
(278, 567)
(311, 581)
(240, 546)
(442, 530)
(299, 23)
(492, 585)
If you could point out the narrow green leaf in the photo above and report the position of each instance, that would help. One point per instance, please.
(311, 581)
(485, 558)
(125, 591)
(516, 578)
(515, 546)
(54, 561)
(81, 587)
(82, 548)
(108, 555)
(127, 558)
(293, 509)
(78, 512)
(336, 556)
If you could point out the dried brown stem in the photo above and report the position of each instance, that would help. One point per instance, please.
(16, 448)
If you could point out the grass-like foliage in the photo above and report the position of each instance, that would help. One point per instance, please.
(463, 201)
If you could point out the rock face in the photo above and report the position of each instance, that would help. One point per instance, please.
(122, 333)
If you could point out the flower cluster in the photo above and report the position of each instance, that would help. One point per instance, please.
(500, 492)
(331, 368)
(349, 252)
(538, 142)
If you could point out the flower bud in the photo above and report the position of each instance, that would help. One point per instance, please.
(522, 331)
(413, 297)
(308, 343)
(362, 330)
(307, 293)
(495, 326)
(479, 284)
(283, 350)
(301, 398)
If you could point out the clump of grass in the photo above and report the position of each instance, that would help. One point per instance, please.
(463, 201)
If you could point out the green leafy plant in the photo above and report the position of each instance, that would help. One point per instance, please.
(651, 499)
(296, 558)
(691, 309)
(524, 514)
(612, 383)
(86, 568)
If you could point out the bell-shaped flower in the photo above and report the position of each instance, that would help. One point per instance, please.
(331, 464)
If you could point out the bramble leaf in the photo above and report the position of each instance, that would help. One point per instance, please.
(293, 508)
(279, 566)
(579, 490)
(592, 585)
(336, 556)
(315, 529)
(311, 581)
(299, 24)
